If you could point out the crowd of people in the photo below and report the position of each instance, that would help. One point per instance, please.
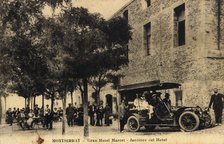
(97, 114)
(44, 114)
(74, 115)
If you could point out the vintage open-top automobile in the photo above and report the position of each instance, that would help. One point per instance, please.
(186, 118)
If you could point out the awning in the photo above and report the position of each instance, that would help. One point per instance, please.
(147, 86)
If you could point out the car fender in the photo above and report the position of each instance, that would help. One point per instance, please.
(136, 115)
(142, 120)
(181, 110)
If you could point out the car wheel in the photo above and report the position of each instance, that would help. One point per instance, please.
(189, 121)
(133, 124)
(150, 128)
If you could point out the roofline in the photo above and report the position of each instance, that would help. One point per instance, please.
(146, 86)
(122, 8)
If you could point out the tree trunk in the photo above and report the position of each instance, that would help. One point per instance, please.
(5, 103)
(71, 97)
(0, 110)
(52, 102)
(85, 108)
(82, 93)
(25, 101)
(42, 100)
(31, 102)
(64, 110)
(97, 97)
(52, 108)
(28, 103)
(34, 101)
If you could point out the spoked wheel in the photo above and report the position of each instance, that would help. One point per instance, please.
(34, 125)
(150, 128)
(189, 121)
(133, 124)
(22, 125)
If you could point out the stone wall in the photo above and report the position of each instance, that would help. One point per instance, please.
(188, 64)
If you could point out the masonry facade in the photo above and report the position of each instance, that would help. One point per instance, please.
(175, 41)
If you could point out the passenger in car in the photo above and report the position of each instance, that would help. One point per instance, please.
(137, 101)
(142, 104)
(167, 101)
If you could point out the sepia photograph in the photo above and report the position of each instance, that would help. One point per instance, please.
(111, 71)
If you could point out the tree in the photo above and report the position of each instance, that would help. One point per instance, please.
(72, 86)
(74, 45)
(101, 80)
(91, 47)
(24, 51)
(21, 48)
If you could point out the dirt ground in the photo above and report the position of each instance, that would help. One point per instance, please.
(109, 134)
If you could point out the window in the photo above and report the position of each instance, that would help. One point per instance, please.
(179, 25)
(125, 14)
(147, 38)
(148, 2)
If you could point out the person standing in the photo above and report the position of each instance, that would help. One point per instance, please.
(70, 113)
(107, 114)
(48, 118)
(92, 111)
(216, 101)
(122, 115)
(60, 113)
(99, 116)
(9, 115)
(27, 110)
(36, 110)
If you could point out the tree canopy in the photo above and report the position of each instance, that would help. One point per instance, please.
(53, 54)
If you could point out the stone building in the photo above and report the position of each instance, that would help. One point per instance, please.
(175, 41)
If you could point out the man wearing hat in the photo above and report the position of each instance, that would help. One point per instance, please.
(167, 100)
(48, 117)
(70, 114)
(122, 114)
(216, 101)
(36, 110)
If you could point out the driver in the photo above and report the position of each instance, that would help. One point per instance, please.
(167, 101)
